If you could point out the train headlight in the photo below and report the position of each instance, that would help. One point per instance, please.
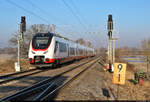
(45, 52)
(30, 59)
(47, 59)
(33, 52)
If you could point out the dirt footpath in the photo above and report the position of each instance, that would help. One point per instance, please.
(96, 84)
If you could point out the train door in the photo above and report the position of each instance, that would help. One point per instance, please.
(68, 49)
(77, 51)
(56, 49)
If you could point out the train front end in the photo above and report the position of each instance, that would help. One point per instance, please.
(41, 49)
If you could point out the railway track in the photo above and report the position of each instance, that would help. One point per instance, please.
(48, 88)
(18, 75)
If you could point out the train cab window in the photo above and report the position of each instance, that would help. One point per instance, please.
(41, 40)
(62, 47)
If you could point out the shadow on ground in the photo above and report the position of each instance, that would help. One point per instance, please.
(8, 88)
(106, 93)
(132, 81)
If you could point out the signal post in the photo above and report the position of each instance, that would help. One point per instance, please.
(20, 39)
(111, 44)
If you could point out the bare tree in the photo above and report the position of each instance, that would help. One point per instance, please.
(28, 36)
(89, 44)
(83, 42)
(145, 46)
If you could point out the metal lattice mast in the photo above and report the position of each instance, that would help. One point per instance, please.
(111, 43)
(20, 39)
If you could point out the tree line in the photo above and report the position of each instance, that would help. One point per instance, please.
(35, 28)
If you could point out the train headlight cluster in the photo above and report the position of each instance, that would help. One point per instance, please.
(47, 59)
(45, 52)
(31, 60)
(33, 52)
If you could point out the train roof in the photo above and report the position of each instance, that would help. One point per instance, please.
(59, 36)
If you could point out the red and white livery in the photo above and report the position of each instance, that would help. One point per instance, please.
(48, 48)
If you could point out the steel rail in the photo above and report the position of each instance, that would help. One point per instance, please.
(29, 90)
(16, 73)
(10, 78)
(53, 93)
(7, 78)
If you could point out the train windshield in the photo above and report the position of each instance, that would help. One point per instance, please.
(41, 40)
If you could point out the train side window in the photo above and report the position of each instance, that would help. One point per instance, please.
(76, 51)
(56, 46)
(62, 47)
(72, 51)
(68, 49)
(80, 51)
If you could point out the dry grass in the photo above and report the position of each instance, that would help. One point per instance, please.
(7, 65)
(134, 91)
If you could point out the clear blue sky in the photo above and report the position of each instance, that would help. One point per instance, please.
(131, 19)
